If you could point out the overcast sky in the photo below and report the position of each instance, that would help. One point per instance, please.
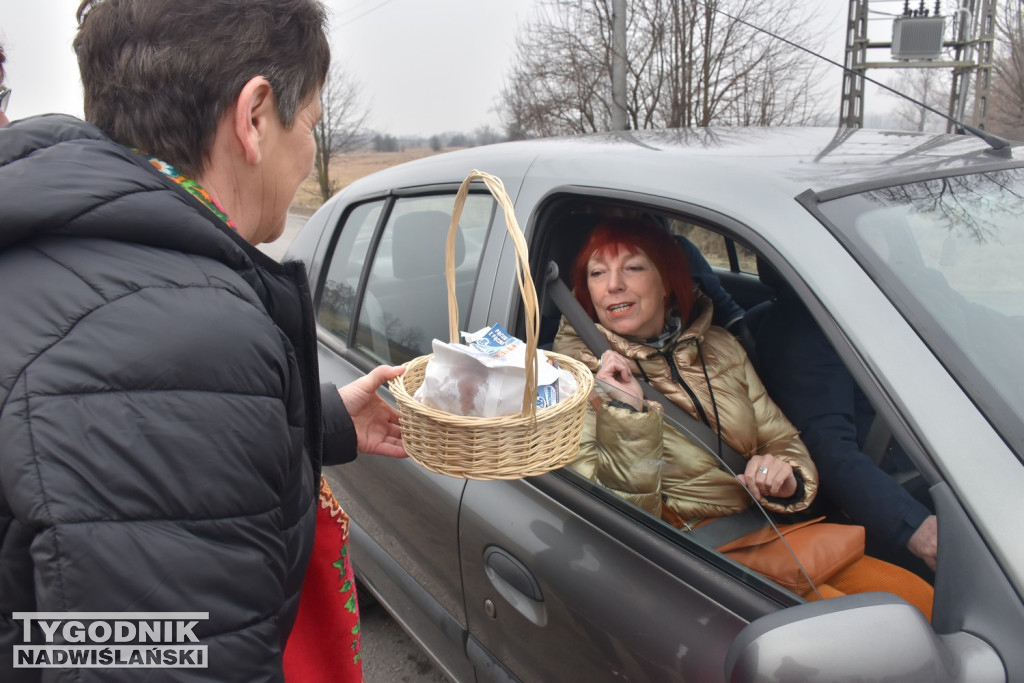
(427, 66)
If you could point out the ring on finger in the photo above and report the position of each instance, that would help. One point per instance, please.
(762, 470)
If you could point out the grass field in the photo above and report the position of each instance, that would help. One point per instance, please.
(350, 167)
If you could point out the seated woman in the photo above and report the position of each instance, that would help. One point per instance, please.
(632, 279)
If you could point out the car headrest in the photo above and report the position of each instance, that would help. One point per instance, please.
(418, 244)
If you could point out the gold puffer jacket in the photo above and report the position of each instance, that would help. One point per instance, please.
(649, 463)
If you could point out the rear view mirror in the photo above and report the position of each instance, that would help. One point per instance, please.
(863, 637)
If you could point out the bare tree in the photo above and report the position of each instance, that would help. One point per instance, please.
(929, 86)
(485, 135)
(340, 126)
(688, 65)
(1007, 101)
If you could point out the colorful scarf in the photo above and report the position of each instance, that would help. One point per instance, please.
(189, 185)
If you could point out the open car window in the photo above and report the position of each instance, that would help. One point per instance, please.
(637, 456)
(799, 551)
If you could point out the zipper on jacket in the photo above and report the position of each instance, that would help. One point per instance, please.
(678, 378)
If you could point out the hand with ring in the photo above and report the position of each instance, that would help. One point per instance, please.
(767, 475)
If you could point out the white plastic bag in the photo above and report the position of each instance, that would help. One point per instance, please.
(486, 376)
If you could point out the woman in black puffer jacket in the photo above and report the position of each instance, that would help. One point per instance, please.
(162, 425)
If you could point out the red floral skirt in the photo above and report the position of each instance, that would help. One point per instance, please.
(324, 643)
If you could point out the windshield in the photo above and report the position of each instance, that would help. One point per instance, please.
(949, 253)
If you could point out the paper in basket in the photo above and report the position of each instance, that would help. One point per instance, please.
(486, 376)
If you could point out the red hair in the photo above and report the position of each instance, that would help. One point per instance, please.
(614, 235)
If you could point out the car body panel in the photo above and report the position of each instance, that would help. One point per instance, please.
(588, 581)
(622, 600)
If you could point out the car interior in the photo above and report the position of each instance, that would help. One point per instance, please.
(561, 230)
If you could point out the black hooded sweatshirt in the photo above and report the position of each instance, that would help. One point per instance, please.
(162, 425)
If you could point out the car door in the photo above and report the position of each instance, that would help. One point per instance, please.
(565, 581)
(382, 300)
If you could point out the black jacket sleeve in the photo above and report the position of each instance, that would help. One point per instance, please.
(339, 431)
(816, 391)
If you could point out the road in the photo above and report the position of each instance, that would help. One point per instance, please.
(389, 656)
(277, 248)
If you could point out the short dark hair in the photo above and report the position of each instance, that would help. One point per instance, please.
(158, 75)
(613, 235)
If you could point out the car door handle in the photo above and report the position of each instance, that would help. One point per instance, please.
(515, 583)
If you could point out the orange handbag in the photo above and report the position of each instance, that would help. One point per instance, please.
(822, 548)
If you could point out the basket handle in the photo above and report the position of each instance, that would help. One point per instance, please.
(525, 279)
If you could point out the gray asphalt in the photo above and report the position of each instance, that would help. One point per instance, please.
(389, 656)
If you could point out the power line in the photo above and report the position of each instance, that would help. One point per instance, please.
(997, 143)
(353, 8)
(360, 16)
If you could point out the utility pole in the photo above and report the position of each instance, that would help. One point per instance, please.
(851, 111)
(974, 32)
(619, 120)
(983, 79)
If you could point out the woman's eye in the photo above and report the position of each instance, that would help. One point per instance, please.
(596, 273)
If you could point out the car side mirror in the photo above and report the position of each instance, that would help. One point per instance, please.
(863, 637)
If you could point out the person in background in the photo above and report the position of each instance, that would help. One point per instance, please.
(162, 422)
(813, 387)
(5, 92)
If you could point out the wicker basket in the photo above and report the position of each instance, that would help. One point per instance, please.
(508, 447)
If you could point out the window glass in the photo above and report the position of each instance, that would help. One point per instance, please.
(747, 259)
(406, 301)
(338, 297)
(711, 245)
(948, 252)
(686, 487)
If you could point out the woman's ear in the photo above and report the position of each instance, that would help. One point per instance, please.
(255, 109)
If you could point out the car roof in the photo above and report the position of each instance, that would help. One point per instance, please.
(733, 160)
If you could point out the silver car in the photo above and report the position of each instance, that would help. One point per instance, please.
(907, 251)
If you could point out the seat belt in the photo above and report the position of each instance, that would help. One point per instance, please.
(877, 440)
(721, 530)
(692, 428)
(876, 445)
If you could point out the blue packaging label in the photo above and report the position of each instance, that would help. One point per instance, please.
(497, 342)
(547, 395)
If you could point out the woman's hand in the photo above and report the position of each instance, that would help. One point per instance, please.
(376, 422)
(614, 372)
(766, 476)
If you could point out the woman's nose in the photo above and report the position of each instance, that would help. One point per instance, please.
(615, 280)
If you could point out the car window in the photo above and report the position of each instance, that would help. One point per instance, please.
(405, 305)
(714, 246)
(337, 299)
(699, 498)
(711, 245)
(948, 253)
(671, 485)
